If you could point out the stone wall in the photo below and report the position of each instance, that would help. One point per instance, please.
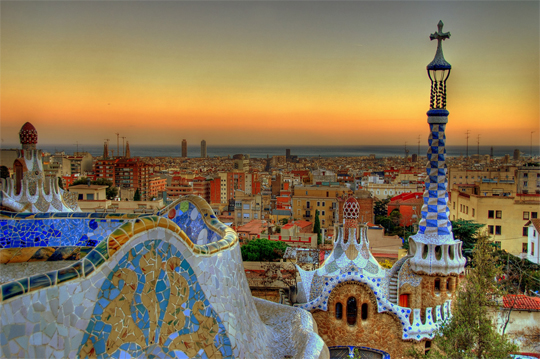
(380, 330)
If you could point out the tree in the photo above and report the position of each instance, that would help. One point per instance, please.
(381, 208)
(137, 195)
(317, 227)
(262, 249)
(284, 221)
(472, 332)
(4, 172)
(466, 231)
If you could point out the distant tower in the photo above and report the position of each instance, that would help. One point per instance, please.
(184, 148)
(28, 136)
(287, 153)
(434, 248)
(128, 152)
(516, 155)
(203, 149)
(106, 150)
(491, 153)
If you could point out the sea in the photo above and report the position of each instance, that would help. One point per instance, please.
(300, 151)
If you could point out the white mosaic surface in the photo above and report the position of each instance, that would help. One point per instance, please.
(51, 322)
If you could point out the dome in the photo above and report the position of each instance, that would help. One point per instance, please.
(351, 208)
(28, 134)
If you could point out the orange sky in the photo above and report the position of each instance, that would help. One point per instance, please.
(297, 73)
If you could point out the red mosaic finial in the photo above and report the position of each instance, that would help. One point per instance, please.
(28, 134)
(351, 209)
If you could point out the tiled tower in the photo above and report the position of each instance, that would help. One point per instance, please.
(434, 248)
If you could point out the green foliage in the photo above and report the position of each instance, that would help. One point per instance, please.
(472, 332)
(284, 221)
(381, 208)
(137, 195)
(110, 191)
(262, 250)
(521, 275)
(317, 227)
(4, 172)
(467, 231)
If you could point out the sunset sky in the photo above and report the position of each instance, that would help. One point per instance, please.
(257, 72)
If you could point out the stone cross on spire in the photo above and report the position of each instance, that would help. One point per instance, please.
(439, 35)
(439, 63)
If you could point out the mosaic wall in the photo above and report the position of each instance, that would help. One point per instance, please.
(152, 304)
(189, 218)
(149, 291)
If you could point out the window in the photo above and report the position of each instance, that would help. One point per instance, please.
(532, 249)
(339, 310)
(324, 204)
(534, 215)
(454, 205)
(524, 248)
(246, 206)
(351, 311)
(526, 175)
(525, 215)
(467, 210)
(473, 212)
(525, 231)
(256, 215)
(437, 285)
(90, 196)
(80, 196)
(427, 347)
(403, 300)
(307, 204)
(498, 230)
(525, 184)
(498, 214)
(490, 229)
(491, 214)
(322, 213)
(318, 204)
(365, 310)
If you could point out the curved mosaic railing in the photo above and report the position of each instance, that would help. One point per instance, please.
(71, 235)
(118, 238)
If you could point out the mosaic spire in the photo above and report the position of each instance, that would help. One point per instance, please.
(434, 246)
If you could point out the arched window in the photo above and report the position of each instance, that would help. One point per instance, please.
(351, 311)
(339, 310)
(364, 311)
(437, 285)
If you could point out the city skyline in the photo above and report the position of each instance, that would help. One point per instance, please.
(269, 73)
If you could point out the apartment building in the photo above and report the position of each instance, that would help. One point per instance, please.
(497, 205)
(156, 187)
(307, 199)
(246, 208)
(132, 174)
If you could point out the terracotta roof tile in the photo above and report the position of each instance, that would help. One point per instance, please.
(521, 302)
